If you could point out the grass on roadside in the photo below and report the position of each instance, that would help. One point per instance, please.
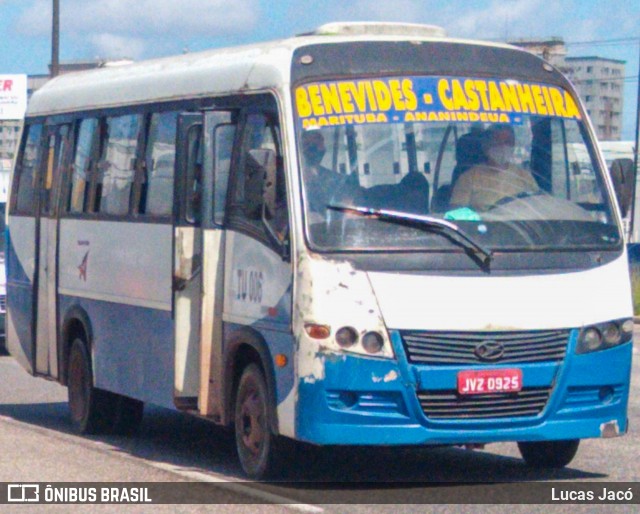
(635, 288)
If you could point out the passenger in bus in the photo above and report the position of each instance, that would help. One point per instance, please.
(485, 184)
(468, 154)
(322, 185)
(412, 194)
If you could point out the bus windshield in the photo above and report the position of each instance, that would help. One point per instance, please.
(507, 162)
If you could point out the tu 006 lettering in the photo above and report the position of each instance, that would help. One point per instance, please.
(249, 285)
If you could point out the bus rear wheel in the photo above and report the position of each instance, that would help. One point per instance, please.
(255, 443)
(549, 454)
(91, 409)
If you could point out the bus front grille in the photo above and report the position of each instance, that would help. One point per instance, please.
(465, 347)
(450, 405)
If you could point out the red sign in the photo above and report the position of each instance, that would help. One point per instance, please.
(489, 381)
(13, 96)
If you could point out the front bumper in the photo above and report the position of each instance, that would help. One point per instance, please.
(366, 401)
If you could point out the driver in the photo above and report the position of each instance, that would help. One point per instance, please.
(483, 185)
(322, 185)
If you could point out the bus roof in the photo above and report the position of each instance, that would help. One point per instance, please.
(201, 74)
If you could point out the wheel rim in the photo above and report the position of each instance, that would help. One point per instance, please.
(252, 421)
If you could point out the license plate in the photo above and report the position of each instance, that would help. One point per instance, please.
(489, 381)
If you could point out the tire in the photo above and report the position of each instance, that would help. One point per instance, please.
(91, 409)
(549, 454)
(255, 444)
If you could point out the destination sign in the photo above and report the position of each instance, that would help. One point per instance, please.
(428, 99)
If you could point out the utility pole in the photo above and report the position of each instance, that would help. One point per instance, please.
(55, 39)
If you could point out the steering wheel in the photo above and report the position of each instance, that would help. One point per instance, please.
(512, 198)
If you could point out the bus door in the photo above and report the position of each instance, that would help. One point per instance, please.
(220, 132)
(187, 268)
(51, 165)
(204, 157)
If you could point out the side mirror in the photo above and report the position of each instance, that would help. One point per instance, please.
(622, 175)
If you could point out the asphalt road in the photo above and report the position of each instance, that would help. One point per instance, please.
(37, 445)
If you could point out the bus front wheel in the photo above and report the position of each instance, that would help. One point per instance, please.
(549, 454)
(90, 408)
(255, 443)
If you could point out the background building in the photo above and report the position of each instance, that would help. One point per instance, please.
(13, 103)
(10, 129)
(552, 50)
(599, 82)
(9, 132)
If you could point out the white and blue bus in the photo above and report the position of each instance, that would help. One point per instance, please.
(277, 238)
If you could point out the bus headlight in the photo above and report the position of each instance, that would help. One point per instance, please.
(346, 337)
(604, 335)
(372, 342)
(627, 328)
(611, 334)
(591, 339)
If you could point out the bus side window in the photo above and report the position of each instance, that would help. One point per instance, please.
(56, 154)
(224, 133)
(82, 166)
(193, 212)
(97, 167)
(25, 171)
(118, 164)
(160, 161)
(260, 159)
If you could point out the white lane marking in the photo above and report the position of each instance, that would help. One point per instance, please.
(190, 473)
(236, 487)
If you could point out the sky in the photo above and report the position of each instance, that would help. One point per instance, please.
(140, 29)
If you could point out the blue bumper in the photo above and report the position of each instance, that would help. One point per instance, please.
(364, 401)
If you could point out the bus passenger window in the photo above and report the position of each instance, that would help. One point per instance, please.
(223, 136)
(258, 135)
(276, 211)
(81, 166)
(160, 165)
(56, 151)
(118, 164)
(260, 159)
(194, 175)
(47, 185)
(25, 172)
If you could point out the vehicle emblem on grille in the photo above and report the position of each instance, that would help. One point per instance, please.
(489, 351)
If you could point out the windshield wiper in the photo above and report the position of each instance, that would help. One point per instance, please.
(436, 225)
